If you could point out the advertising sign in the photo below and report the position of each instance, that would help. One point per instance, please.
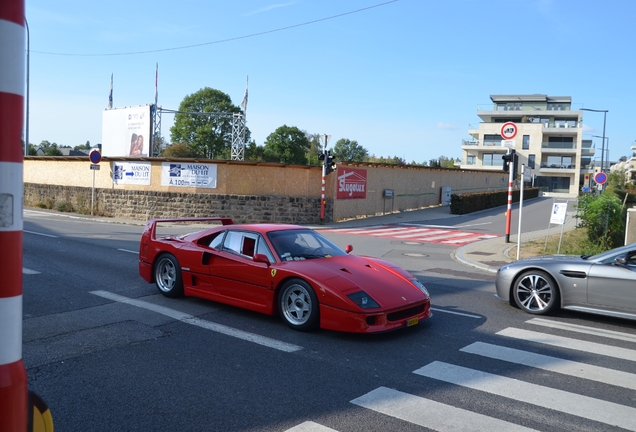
(188, 175)
(558, 213)
(131, 173)
(352, 183)
(126, 131)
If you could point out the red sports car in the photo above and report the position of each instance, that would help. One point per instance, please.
(286, 269)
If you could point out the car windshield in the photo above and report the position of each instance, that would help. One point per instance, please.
(608, 256)
(302, 244)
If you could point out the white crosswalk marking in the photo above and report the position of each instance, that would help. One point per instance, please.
(574, 344)
(554, 364)
(583, 329)
(570, 403)
(430, 414)
(310, 426)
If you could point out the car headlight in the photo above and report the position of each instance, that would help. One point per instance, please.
(419, 284)
(363, 300)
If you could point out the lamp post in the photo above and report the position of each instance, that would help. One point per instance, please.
(604, 151)
(603, 145)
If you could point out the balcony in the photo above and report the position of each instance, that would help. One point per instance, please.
(492, 146)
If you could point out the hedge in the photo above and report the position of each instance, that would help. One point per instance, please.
(472, 202)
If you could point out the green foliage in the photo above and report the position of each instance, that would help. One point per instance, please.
(210, 136)
(386, 160)
(315, 148)
(604, 217)
(180, 150)
(349, 151)
(64, 207)
(472, 202)
(287, 144)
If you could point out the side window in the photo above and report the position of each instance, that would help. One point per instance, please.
(262, 248)
(243, 243)
(217, 241)
(232, 242)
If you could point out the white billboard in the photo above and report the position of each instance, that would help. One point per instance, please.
(188, 174)
(126, 131)
(131, 173)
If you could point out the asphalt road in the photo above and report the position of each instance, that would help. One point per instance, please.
(107, 352)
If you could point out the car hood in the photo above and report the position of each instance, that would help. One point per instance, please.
(385, 283)
(561, 258)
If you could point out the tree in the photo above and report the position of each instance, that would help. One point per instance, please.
(315, 148)
(254, 153)
(604, 218)
(50, 149)
(287, 144)
(209, 135)
(180, 150)
(349, 151)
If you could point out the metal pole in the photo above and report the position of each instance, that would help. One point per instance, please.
(93, 193)
(603, 150)
(523, 168)
(324, 174)
(13, 376)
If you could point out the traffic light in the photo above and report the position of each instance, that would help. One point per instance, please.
(510, 158)
(327, 161)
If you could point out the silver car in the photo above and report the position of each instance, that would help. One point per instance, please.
(602, 284)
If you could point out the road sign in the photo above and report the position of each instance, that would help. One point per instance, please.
(558, 213)
(95, 156)
(600, 178)
(508, 143)
(508, 130)
(95, 167)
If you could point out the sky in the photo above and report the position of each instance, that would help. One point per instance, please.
(402, 78)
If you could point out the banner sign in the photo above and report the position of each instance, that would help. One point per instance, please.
(352, 183)
(188, 174)
(558, 213)
(126, 132)
(131, 173)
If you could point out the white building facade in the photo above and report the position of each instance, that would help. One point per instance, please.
(549, 141)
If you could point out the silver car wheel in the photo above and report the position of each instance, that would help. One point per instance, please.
(168, 276)
(535, 292)
(298, 305)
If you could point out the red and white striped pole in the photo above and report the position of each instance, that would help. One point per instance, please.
(13, 378)
(509, 208)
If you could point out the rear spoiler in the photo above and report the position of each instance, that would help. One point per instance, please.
(151, 225)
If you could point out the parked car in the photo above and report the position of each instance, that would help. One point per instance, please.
(288, 270)
(602, 284)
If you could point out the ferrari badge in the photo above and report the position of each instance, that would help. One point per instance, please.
(273, 272)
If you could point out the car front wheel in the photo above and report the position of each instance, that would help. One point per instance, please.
(298, 305)
(536, 292)
(168, 276)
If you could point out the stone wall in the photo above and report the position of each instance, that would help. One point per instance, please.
(144, 205)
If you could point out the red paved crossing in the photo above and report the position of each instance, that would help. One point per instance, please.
(447, 236)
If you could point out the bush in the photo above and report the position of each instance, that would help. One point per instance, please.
(472, 202)
(604, 217)
(65, 207)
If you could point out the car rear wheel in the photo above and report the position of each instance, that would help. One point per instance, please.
(298, 305)
(536, 292)
(168, 276)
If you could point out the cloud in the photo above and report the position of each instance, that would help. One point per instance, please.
(270, 7)
(446, 126)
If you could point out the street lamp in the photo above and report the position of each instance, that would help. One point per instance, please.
(603, 149)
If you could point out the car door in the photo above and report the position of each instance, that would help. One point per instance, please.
(613, 285)
(237, 277)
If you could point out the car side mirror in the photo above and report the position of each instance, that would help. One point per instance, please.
(621, 260)
(261, 258)
(348, 249)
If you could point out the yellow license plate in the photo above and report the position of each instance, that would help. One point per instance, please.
(412, 321)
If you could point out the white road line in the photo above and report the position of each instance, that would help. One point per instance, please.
(129, 251)
(40, 234)
(455, 313)
(570, 403)
(430, 414)
(554, 364)
(583, 329)
(29, 271)
(209, 325)
(472, 225)
(568, 343)
(448, 236)
(422, 232)
(310, 426)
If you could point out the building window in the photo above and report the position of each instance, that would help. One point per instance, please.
(470, 160)
(492, 140)
(558, 162)
(531, 161)
(491, 159)
(526, 142)
(553, 184)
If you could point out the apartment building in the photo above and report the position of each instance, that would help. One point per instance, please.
(549, 141)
